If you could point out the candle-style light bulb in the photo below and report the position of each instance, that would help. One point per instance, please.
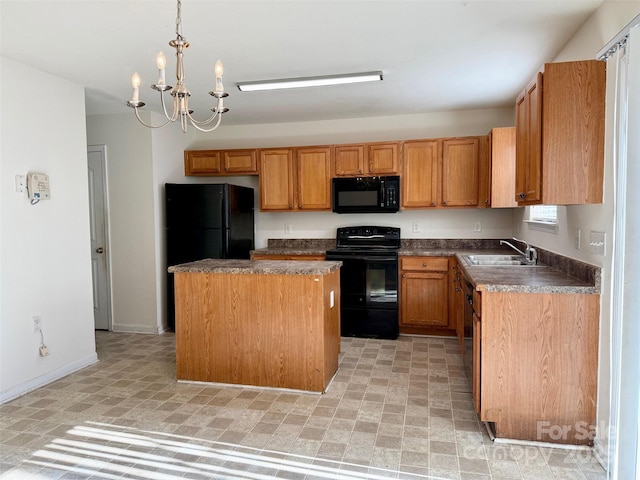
(219, 70)
(135, 82)
(161, 62)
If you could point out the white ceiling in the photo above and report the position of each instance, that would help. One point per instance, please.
(435, 55)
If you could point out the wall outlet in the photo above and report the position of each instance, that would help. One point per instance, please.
(477, 226)
(21, 183)
(597, 243)
(415, 227)
(577, 239)
(288, 230)
(37, 324)
(44, 351)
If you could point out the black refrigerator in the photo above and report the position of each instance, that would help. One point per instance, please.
(206, 221)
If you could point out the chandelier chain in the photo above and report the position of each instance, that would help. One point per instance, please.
(179, 21)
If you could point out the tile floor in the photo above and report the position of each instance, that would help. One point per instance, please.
(396, 409)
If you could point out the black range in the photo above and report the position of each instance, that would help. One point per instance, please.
(368, 280)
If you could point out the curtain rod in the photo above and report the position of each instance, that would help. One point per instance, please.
(618, 41)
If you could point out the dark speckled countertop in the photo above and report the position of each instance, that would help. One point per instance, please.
(555, 273)
(263, 267)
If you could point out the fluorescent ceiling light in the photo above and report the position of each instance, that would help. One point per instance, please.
(309, 81)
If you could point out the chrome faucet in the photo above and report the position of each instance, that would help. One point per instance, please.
(530, 254)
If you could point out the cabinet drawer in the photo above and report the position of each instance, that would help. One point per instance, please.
(425, 264)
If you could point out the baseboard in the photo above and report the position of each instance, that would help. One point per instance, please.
(26, 387)
(150, 330)
(601, 452)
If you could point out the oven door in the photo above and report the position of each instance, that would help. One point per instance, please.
(368, 295)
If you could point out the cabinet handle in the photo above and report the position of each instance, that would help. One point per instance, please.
(359, 170)
(444, 203)
(424, 264)
(433, 204)
(521, 195)
(486, 202)
(457, 289)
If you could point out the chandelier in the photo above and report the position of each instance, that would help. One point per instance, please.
(180, 93)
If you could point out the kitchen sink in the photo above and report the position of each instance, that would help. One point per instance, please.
(497, 261)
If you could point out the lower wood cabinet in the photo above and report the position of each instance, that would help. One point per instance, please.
(424, 296)
(536, 374)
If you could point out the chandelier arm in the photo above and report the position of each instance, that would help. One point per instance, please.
(204, 122)
(146, 124)
(205, 130)
(164, 107)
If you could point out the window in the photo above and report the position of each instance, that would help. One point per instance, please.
(542, 217)
(543, 213)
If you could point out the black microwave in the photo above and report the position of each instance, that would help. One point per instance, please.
(366, 194)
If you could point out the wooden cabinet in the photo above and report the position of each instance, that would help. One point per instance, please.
(276, 179)
(220, 162)
(444, 172)
(313, 178)
(295, 179)
(367, 159)
(502, 151)
(424, 296)
(457, 302)
(536, 378)
(560, 135)
(420, 173)
(460, 172)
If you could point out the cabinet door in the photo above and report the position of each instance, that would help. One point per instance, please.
(484, 175)
(276, 179)
(313, 167)
(349, 160)
(205, 162)
(420, 174)
(477, 342)
(383, 158)
(240, 161)
(456, 305)
(424, 299)
(529, 143)
(460, 171)
(503, 167)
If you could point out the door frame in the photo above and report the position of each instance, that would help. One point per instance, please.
(107, 233)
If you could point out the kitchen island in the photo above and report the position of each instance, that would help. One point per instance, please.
(262, 323)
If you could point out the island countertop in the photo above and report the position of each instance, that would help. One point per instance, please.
(266, 267)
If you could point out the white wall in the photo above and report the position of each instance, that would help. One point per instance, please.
(45, 252)
(132, 220)
(603, 25)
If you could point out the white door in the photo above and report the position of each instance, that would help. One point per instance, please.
(96, 156)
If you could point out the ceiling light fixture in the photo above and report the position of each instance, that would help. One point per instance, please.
(180, 93)
(309, 81)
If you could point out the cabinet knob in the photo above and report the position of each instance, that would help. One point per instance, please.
(424, 264)
(404, 275)
(521, 195)
(359, 170)
(433, 204)
(444, 203)
(486, 202)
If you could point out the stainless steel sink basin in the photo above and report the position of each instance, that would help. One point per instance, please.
(497, 261)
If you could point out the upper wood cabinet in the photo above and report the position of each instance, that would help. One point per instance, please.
(367, 159)
(295, 179)
(220, 162)
(502, 147)
(460, 172)
(443, 172)
(313, 173)
(560, 135)
(420, 173)
(276, 179)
